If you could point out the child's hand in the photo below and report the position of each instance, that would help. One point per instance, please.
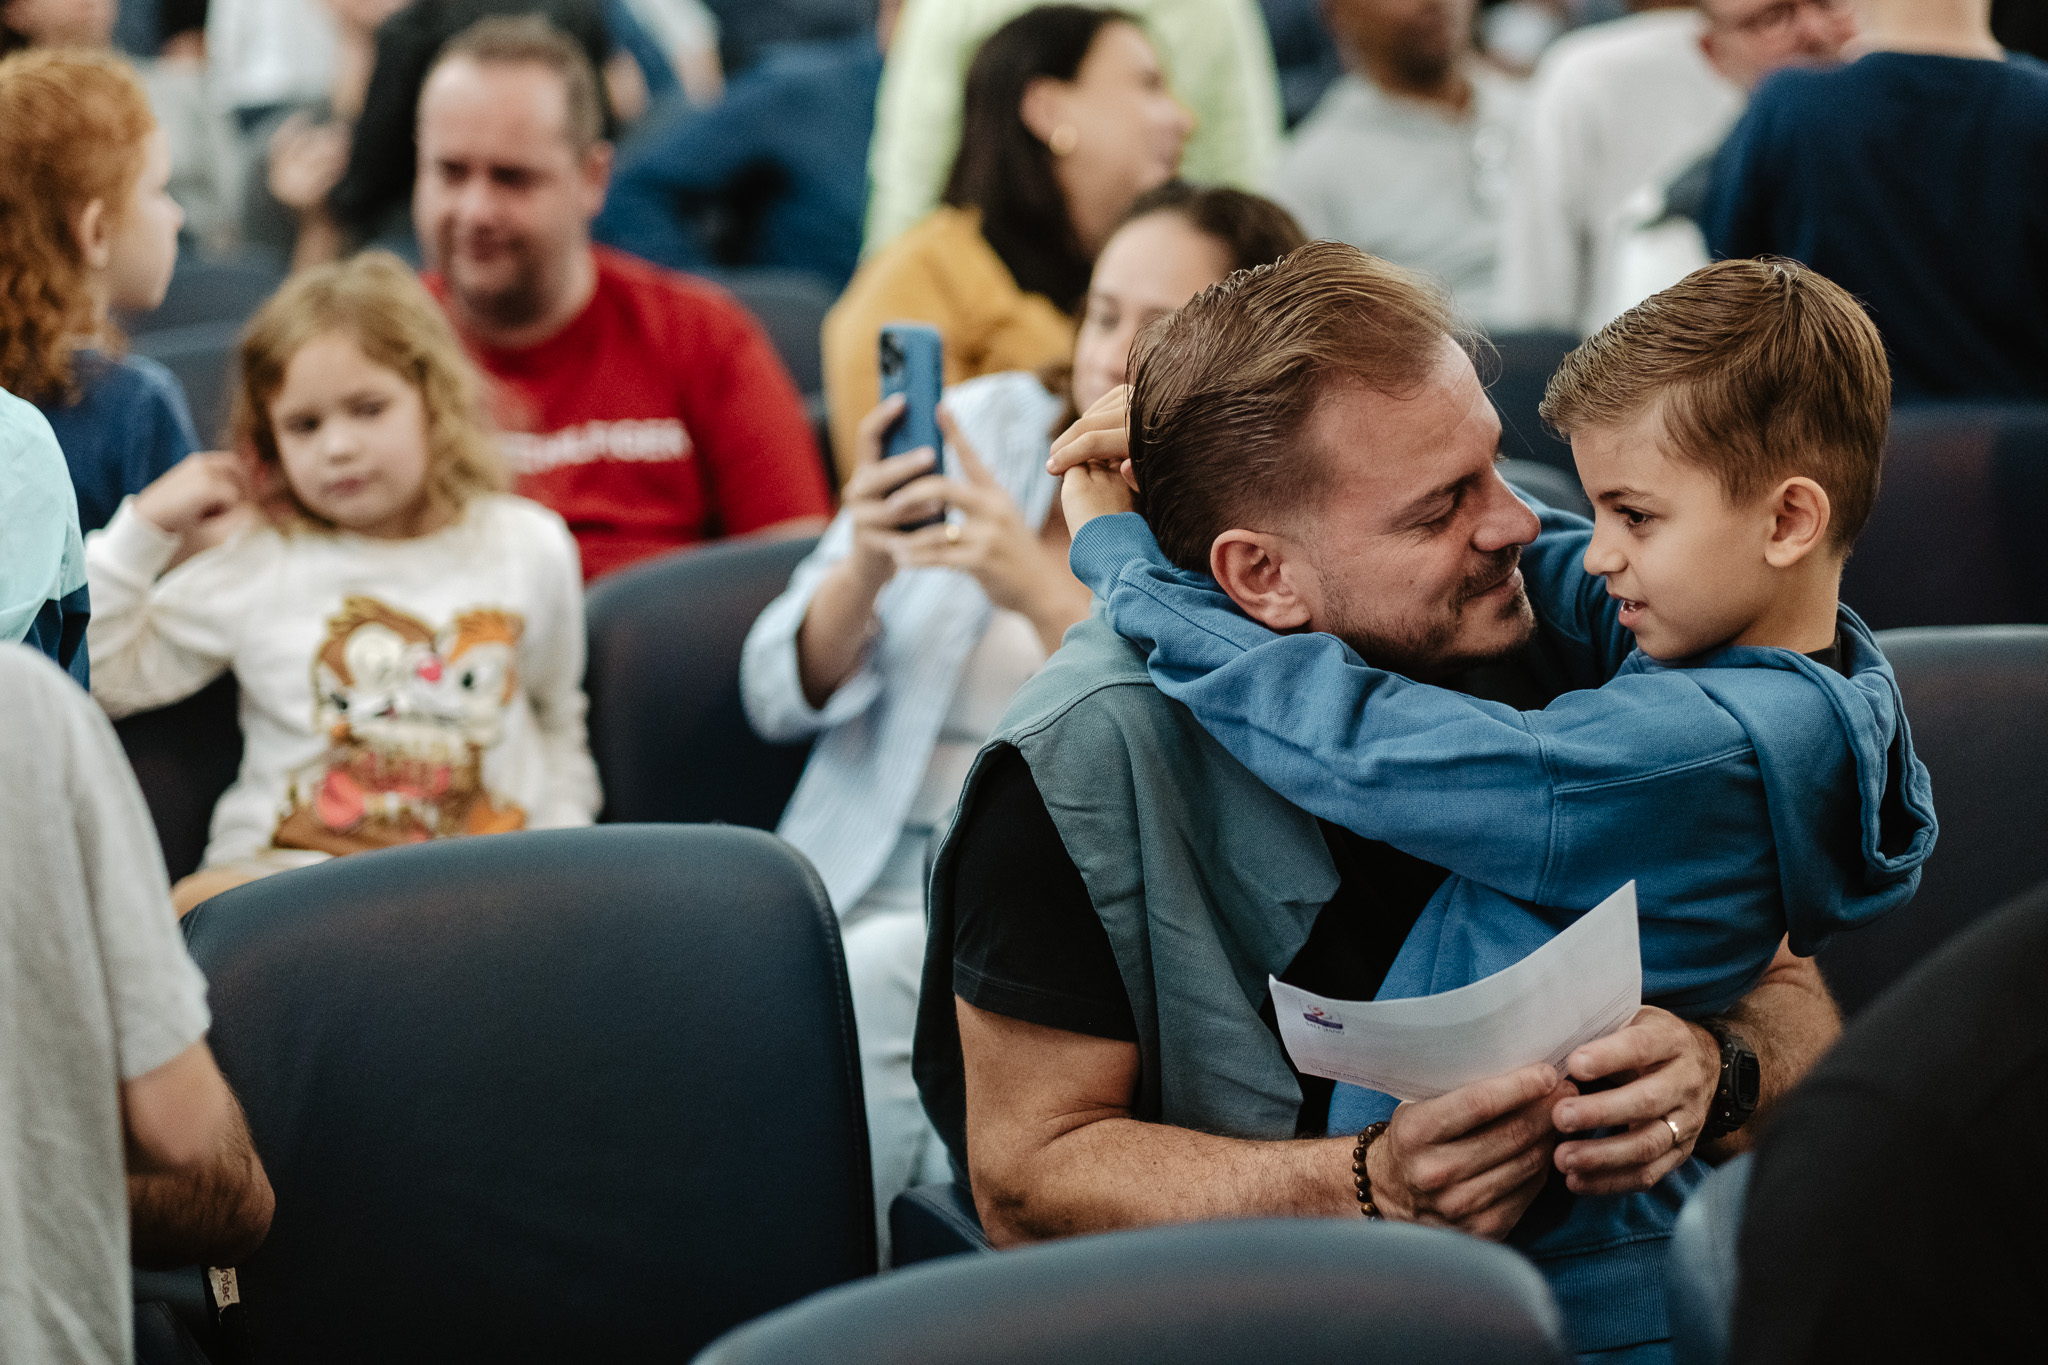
(1099, 436)
(197, 492)
(1091, 490)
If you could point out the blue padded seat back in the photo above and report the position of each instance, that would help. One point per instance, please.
(790, 305)
(227, 290)
(927, 1222)
(666, 727)
(563, 1095)
(1955, 537)
(1516, 368)
(1700, 1275)
(1977, 699)
(1333, 1291)
(184, 756)
(203, 359)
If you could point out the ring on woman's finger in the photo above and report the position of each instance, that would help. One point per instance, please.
(1677, 1140)
(953, 538)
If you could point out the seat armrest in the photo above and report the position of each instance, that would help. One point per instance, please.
(931, 1221)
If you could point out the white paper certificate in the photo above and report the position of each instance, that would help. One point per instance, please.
(1584, 984)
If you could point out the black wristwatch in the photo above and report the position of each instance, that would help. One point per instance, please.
(1741, 1084)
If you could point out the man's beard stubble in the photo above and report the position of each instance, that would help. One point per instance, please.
(1423, 651)
(511, 306)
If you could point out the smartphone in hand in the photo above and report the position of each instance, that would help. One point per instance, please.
(911, 365)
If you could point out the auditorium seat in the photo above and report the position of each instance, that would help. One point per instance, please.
(927, 1222)
(202, 356)
(210, 289)
(1333, 1291)
(184, 756)
(1548, 484)
(1977, 700)
(584, 1094)
(791, 305)
(666, 727)
(1515, 375)
(162, 1338)
(1699, 1277)
(1955, 537)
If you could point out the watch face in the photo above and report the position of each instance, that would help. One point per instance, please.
(1747, 1082)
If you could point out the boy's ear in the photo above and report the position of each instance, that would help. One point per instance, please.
(1800, 516)
(1255, 569)
(94, 231)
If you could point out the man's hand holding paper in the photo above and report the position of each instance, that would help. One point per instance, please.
(1576, 1005)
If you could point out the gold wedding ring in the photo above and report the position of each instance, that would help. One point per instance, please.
(1676, 1140)
(952, 533)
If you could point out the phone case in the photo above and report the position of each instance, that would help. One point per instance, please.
(910, 356)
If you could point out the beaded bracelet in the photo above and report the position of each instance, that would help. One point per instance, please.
(1361, 1181)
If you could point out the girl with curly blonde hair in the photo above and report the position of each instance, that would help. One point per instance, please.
(86, 226)
(408, 638)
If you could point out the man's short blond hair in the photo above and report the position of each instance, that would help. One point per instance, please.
(530, 40)
(1763, 369)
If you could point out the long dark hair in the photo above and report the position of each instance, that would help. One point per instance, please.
(1251, 229)
(1005, 171)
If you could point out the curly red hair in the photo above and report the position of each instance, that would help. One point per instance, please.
(74, 127)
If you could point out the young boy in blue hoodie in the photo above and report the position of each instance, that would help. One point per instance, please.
(1748, 763)
(1737, 743)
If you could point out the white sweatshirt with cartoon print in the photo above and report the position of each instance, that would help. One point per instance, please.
(392, 691)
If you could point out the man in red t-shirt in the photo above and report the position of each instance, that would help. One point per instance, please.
(646, 407)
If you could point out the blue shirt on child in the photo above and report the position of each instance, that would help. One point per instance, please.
(129, 425)
(1918, 183)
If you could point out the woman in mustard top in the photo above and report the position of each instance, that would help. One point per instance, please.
(1066, 121)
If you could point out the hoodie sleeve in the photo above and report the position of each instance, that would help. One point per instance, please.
(1546, 806)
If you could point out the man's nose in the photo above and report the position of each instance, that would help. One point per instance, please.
(1505, 521)
(473, 198)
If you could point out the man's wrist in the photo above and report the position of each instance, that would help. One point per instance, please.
(1738, 1081)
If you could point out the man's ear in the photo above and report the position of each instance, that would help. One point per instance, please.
(1800, 516)
(1708, 50)
(94, 231)
(1256, 570)
(596, 172)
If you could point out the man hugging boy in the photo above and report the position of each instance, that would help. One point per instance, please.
(1747, 759)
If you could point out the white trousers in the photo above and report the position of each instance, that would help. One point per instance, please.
(884, 959)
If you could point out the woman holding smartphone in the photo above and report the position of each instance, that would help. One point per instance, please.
(1066, 120)
(900, 649)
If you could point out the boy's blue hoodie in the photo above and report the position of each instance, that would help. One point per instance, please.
(1750, 793)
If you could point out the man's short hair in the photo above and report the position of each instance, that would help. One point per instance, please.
(1764, 370)
(530, 40)
(1222, 388)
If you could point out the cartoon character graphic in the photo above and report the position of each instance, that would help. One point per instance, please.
(409, 713)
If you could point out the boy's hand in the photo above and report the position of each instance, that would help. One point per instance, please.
(1089, 491)
(1100, 436)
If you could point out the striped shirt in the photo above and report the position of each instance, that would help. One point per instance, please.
(876, 733)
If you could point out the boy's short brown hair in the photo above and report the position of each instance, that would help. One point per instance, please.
(1221, 389)
(1765, 370)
